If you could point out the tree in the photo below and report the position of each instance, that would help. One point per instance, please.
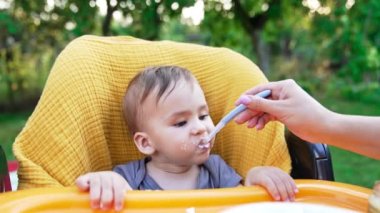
(146, 16)
(351, 38)
(254, 17)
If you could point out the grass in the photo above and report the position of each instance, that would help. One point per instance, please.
(354, 169)
(10, 125)
(348, 167)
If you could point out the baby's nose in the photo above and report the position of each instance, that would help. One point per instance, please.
(199, 128)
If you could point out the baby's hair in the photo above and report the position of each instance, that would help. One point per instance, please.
(144, 83)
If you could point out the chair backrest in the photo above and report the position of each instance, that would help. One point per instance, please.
(77, 126)
(309, 160)
(5, 182)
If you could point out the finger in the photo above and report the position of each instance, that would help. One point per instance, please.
(95, 191)
(243, 117)
(119, 200)
(293, 186)
(260, 88)
(281, 189)
(83, 182)
(287, 182)
(127, 187)
(119, 193)
(107, 192)
(259, 104)
(275, 87)
(271, 187)
(246, 116)
(252, 122)
(262, 121)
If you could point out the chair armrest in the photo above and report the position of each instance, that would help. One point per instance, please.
(309, 160)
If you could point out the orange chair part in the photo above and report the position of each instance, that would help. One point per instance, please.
(69, 199)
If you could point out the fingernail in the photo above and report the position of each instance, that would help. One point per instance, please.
(277, 198)
(244, 99)
(296, 190)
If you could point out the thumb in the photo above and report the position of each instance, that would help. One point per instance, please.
(83, 182)
(258, 104)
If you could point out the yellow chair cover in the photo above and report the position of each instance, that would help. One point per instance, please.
(78, 127)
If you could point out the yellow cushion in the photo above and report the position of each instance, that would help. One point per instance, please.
(78, 127)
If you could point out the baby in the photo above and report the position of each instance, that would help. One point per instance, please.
(167, 114)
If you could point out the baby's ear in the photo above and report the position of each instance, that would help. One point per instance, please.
(143, 143)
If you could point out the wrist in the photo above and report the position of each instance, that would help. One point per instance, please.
(329, 126)
(250, 178)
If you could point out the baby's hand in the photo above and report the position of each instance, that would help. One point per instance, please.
(106, 188)
(278, 183)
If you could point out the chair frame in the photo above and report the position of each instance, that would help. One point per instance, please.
(309, 160)
(5, 181)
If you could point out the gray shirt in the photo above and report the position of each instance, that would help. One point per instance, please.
(214, 173)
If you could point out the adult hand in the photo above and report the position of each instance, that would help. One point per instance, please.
(289, 104)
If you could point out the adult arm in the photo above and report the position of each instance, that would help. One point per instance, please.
(309, 120)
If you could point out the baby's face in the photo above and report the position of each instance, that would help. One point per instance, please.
(177, 124)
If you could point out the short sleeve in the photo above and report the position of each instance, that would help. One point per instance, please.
(222, 175)
(132, 172)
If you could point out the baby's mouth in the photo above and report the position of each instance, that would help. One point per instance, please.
(204, 144)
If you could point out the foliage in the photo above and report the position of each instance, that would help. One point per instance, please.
(11, 125)
(348, 165)
(142, 18)
(34, 32)
(288, 39)
(222, 30)
(350, 40)
(331, 49)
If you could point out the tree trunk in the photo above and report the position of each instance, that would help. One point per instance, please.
(8, 81)
(106, 26)
(286, 51)
(107, 22)
(262, 51)
(254, 26)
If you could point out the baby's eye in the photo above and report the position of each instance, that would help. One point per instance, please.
(202, 117)
(180, 124)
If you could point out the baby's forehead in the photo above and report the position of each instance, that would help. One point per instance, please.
(172, 92)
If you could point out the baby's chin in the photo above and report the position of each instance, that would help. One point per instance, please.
(201, 162)
(203, 158)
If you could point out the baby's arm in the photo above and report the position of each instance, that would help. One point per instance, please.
(106, 188)
(278, 183)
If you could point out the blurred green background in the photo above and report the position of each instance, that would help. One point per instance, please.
(330, 47)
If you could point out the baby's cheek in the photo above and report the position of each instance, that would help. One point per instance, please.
(187, 146)
(184, 147)
(210, 126)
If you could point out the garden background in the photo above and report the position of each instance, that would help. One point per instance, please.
(330, 47)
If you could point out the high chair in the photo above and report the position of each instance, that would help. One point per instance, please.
(78, 127)
(5, 181)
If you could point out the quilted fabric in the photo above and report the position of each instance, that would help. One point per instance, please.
(78, 127)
